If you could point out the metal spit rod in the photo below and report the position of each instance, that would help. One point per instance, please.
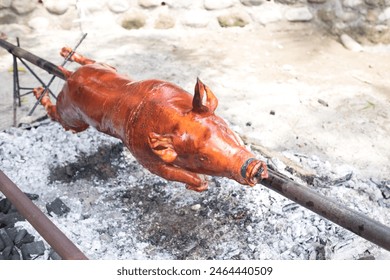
(49, 231)
(349, 219)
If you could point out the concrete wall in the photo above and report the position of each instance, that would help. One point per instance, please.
(367, 21)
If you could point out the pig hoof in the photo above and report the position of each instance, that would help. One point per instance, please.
(200, 188)
(65, 51)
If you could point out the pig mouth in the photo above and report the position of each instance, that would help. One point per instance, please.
(253, 171)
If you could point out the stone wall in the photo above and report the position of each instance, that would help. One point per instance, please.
(367, 21)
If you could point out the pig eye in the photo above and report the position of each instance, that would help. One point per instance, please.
(203, 158)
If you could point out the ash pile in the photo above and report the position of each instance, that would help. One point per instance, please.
(112, 208)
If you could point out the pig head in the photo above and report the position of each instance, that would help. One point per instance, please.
(170, 132)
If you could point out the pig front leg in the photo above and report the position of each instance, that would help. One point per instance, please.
(78, 58)
(192, 180)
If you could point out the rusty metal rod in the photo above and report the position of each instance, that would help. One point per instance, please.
(349, 219)
(40, 62)
(49, 231)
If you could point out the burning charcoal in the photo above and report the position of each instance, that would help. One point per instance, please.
(10, 219)
(15, 254)
(6, 239)
(32, 249)
(57, 207)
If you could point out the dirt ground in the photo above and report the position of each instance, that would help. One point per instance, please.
(290, 90)
(284, 86)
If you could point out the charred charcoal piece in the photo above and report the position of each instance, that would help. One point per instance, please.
(54, 256)
(6, 239)
(5, 205)
(10, 219)
(32, 249)
(57, 207)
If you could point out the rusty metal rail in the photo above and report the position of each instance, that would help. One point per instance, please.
(349, 219)
(49, 231)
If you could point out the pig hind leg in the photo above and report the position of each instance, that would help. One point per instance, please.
(52, 112)
(50, 108)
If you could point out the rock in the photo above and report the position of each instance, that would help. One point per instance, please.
(182, 4)
(234, 18)
(39, 23)
(350, 43)
(196, 18)
(267, 13)
(217, 5)
(372, 16)
(149, 3)
(286, 2)
(316, 1)
(5, 4)
(385, 15)
(375, 3)
(195, 207)
(118, 6)
(326, 15)
(7, 17)
(133, 20)
(164, 21)
(57, 207)
(298, 14)
(56, 7)
(252, 2)
(352, 3)
(22, 7)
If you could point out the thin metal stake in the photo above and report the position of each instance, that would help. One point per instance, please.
(53, 77)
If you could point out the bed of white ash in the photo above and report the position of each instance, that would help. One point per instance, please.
(118, 210)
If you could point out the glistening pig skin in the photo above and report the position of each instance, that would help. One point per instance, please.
(170, 132)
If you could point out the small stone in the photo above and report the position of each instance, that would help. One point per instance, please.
(217, 5)
(196, 18)
(22, 7)
(234, 19)
(252, 2)
(57, 7)
(323, 102)
(350, 43)
(118, 6)
(149, 3)
(133, 20)
(164, 22)
(272, 112)
(195, 207)
(326, 15)
(298, 14)
(57, 207)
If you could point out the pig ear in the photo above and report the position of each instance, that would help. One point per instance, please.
(162, 146)
(204, 99)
